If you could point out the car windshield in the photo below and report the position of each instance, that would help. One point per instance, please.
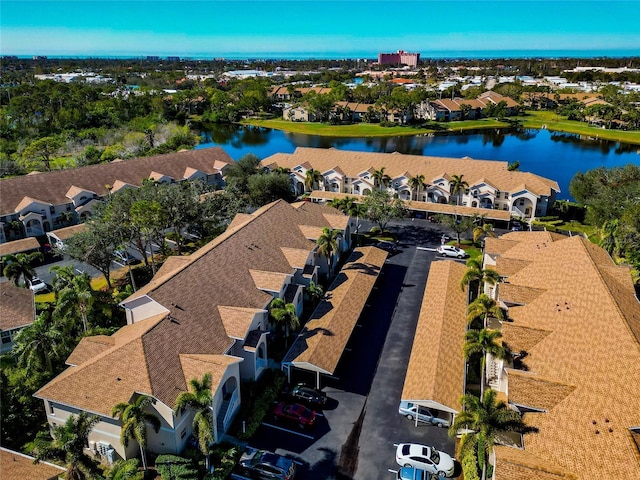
(435, 456)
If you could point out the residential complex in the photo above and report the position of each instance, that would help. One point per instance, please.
(37, 200)
(204, 313)
(16, 312)
(491, 185)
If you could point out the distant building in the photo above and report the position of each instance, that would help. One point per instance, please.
(400, 57)
(173, 59)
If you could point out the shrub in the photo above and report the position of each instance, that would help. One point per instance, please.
(257, 401)
(176, 468)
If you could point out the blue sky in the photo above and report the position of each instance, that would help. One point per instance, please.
(332, 28)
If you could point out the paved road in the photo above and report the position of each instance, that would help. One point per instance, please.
(354, 439)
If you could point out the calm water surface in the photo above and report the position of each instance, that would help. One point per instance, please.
(553, 155)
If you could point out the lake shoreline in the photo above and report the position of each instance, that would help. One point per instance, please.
(538, 120)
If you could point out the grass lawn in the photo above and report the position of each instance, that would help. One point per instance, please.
(371, 129)
(553, 122)
(532, 119)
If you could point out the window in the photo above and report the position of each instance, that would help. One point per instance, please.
(183, 433)
(506, 194)
(6, 337)
(51, 409)
(497, 193)
(521, 202)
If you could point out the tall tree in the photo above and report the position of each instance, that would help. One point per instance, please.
(199, 398)
(487, 418)
(20, 266)
(457, 224)
(475, 273)
(43, 150)
(483, 342)
(328, 244)
(416, 183)
(95, 246)
(135, 417)
(458, 187)
(284, 315)
(483, 231)
(68, 444)
(381, 179)
(311, 179)
(484, 307)
(380, 207)
(41, 345)
(239, 172)
(75, 301)
(151, 219)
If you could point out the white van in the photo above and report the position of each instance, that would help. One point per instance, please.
(423, 414)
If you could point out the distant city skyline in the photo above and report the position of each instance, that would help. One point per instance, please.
(319, 29)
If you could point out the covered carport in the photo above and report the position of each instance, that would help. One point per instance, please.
(436, 370)
(321, 343)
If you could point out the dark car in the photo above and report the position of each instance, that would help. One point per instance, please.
(390, 247)
(294, 412)
(264, 465)
(308, 396)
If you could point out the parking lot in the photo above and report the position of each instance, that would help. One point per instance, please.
(355, 437)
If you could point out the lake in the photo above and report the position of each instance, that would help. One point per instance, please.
(554, 155)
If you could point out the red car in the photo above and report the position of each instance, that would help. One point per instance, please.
(295, 413)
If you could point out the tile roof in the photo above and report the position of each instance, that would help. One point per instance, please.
(52, 187)
(507, 266)
(518, 294)
(321, 342)
(269, 281)
(529, 391)
(431, 207)
(17, 307)
(436, 366)
(89, 347)
(17, 466)
(237, 320)
(220, 274)
(584, 334)
(68, 232)
(19, 246)
(396, 164)
(512, 464)
(296, 257)
(522, 338)
(353, 163)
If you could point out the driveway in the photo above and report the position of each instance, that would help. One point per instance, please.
(356, 436)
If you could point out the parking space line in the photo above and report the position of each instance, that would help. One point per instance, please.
(287, 430)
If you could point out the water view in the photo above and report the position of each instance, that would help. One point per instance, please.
(550, 154)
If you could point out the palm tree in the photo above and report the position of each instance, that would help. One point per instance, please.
(314, 292)
(68, 444)
(311, 178)
(135, 417)
(483, 342)
(486, 418)
(20, 266)
(65, 218)
(475, 273)
(200, 399)
(381, 179)
(328, 244)
(458, 186)
(125, 470)
(484, 307)
(63, 277)
(609, 236)
(39, 345)
(284, 314)
(76, 300)
(484, 230)
(416, 183)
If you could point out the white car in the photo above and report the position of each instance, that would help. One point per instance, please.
(37, 286)
(451, 251)
(425, 458)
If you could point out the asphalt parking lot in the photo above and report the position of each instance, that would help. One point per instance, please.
(354, 439)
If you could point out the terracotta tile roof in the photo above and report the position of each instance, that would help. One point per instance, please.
(353, 163)
(424, 206)
(19, 246)
(68, 232)
(321, 342)
(52, 187)
(518, 294)
(592, 316)
(17, 466)
(436, 366)
(17, 307)
(237, 320)
(529, 391)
